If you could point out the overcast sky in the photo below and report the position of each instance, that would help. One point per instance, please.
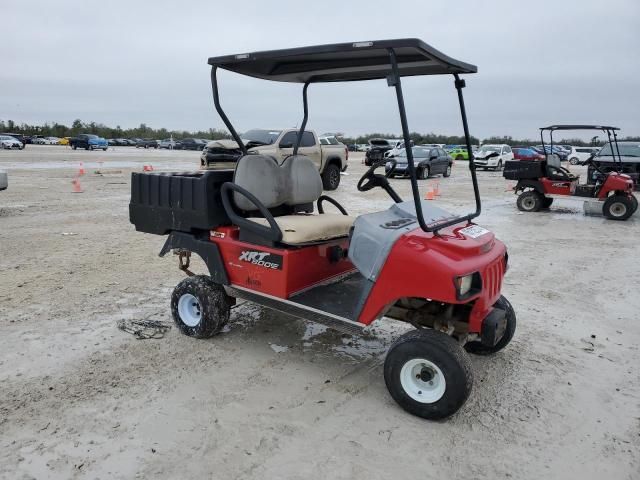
(130, 62)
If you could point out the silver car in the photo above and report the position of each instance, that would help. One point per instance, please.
(4, 182)
(10, 142)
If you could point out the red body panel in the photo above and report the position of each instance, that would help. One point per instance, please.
(275, 271)
(616, 182)
(423, 265)
(558, 187)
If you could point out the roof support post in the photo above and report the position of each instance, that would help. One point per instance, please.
(223, 116)
(305, 107)
(460, 84)
(393, 80)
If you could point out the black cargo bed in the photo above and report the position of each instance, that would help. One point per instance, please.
(182, 201)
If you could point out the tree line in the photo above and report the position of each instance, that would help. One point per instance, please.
(143, 131)
(78, 126)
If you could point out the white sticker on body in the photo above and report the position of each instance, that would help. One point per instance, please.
(473, 231)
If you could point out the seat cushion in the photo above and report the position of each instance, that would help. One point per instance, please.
(301, 228)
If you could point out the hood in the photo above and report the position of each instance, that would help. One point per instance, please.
(485, 155)
(225, 144)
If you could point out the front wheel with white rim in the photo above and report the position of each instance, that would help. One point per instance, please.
(428, 374)
(573, 161)
(618, 207)
(200, 307)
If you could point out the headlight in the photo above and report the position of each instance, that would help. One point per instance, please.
(468, 285)
(464, 284)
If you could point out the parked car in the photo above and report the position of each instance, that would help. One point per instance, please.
(578, 155)
(524, 153)
(459, 153)
(330, 159)
(363, 147)
(147, 143)
(64, 141)
(193, 144)
(492, 156)
(428, 161)
(18, 136)
(4, 180)
(629, 156)
(169, 144)
(131, 142)
(561, 152)
(88, 142)
(46, 140)
(380, 147)
(10, 143)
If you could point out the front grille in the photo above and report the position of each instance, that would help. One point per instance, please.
(492, 278)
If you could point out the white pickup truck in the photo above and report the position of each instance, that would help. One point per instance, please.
(330, 157)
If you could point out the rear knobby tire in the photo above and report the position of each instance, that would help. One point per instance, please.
(479, 348)
(331, 177)
(618, 207)
(200, 307)
(634, 202)
(428, 374)
(530, 201)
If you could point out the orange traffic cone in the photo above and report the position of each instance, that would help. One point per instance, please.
(431, 194)
(147, 168)
(77, 188)
(81, 169)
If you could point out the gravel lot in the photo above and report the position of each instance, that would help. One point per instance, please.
(276, 397)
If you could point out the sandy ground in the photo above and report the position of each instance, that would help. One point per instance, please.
(275, 397)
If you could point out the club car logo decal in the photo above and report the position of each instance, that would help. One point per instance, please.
(262, 259)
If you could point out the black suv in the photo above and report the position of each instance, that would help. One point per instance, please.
(192, 144)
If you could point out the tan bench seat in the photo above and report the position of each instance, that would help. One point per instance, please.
(303, 228)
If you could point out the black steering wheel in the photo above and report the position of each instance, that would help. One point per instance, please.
(371, 180)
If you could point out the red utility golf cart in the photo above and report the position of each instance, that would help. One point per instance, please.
(609, 193)
(257, 230)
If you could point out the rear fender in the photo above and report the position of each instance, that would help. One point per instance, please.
(205, 248)
(534, 184)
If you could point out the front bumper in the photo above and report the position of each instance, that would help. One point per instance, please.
(483, 162)
(401, 169)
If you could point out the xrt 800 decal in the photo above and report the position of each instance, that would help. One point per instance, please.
(262, 259)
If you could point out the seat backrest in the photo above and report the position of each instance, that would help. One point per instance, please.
(553, 160)
(295, 182)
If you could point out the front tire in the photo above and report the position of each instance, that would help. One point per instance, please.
(618, 207)
(200, 307)
(424, 173)
(530, 201)
(447, 172)
(478, 348)
(331, 177)
(428, 374)
(573, 161)
(498, 167)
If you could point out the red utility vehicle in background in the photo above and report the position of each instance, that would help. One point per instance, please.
(257, 232)
(609, 193)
